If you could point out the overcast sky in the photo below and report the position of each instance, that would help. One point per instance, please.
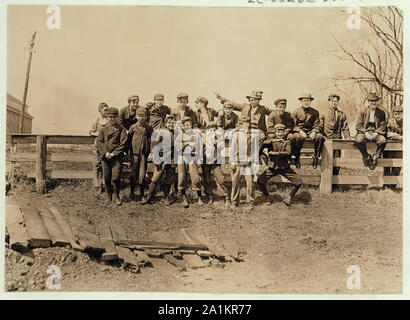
(107, 53)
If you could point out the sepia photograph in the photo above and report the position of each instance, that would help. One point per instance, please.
(204, 149)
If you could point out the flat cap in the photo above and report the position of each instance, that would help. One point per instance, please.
(280, 101)
(169, 117)
(112, 111)
(141, 111)
(182, 95)
(257, 94)
(201, 99)
(102, 105)
(243, 119)
(305, 96)
(373, 97)
(333, 95)
(228, 105)
(279, 126)
(397, 109)
(133, 97)
(159, 96)
(185, 119)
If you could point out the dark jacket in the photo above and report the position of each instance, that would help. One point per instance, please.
(140, 138)
(286, 119)
(225, 123)
(281, 150)
(188, 113)
(306, 120)
(112, 139)
(334, 124)
(393, 126)
(201, 121)
(157, 116)
(379, 121)
(127, 117)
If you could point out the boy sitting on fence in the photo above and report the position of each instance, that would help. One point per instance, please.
(140, 141)
(111, 143)
(278, 161)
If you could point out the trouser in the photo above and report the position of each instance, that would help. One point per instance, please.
(336, 154)
(297, 143)
(236, 179)
(138, 170)
(97, 168)
(361, 140)
(270, 173)
(112, 173)
(164, 174)
(192, 168)
(216, 169)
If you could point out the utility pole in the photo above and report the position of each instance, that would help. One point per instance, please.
(30, 50)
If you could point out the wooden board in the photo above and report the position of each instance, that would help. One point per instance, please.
(36, 230)
(108, 242)
(358, 163)
(194, 261)
(57, 157)
(157, 253)
(118, 233)
(349, 145)
(18, 237)
(54, 230)
(65, 227)
(143, 258)
(375, 180)
(128, 258)
(180, 264)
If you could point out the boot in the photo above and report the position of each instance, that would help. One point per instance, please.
(211, 199)
(185, 203)
(151, 190)
(264, 189)
(132, 192)
(167, 201)
(297, 162)
(227, 202)
(315, 162)
(200, 202)
(116, 195)
(142, 189)
(109, 192)
(289, 198)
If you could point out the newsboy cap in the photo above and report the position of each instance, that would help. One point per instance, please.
(228, 105)
(279, 126)
(159, 96)
(397, 109)
(373, 97)
(182, 95)
(257, 94)
(169, 117)
(280, 101)
(112, 111)
(306, 96)
(333, 95)
(201, 99)
(133, 97)
(102, 105)
(185, 119)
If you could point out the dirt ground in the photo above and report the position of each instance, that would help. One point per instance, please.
(304, 249)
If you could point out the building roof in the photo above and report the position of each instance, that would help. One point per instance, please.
(14, 105)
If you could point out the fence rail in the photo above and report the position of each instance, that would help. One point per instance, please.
(336, 153)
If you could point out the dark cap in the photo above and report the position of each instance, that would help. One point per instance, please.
(373, 97)
(182, 95)
(279, 126)
(257, 94)
(228, 105)
(159, 96)
(112, 111)
(169, 117)
(133, 97)
(201, 99)
(306, 96)
(185, 119)
(102, 105)
(397, 109)
(281, 101)
(333, 95)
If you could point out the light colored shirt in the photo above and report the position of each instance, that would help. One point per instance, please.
(371, 116)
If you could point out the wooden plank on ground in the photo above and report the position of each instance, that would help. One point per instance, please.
(143, 259)
(65, 227)
(18, 237)
(118, 233)
(191, 258)
(375, 180)
(108, 242)
(54, 230)
(157, 253)
(180, 264)
(36, 230)
(128, 258)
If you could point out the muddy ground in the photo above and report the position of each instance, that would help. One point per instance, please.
(304, 249)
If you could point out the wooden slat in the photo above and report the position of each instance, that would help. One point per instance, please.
(358, 163)
(18, 237)
(118, 233)
(66, 174)
(108, 242)
(36, 230)
(64, 226)
(349, 145)
(375, 180)
(128, 258)
(56, 233)
(23, 138)
(60, 139)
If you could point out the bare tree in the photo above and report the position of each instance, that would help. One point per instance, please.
(377, 56)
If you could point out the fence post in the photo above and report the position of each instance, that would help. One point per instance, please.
(326, 175)
(41, 153)
(12, 173)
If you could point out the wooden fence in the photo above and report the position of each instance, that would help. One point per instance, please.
(336, 153)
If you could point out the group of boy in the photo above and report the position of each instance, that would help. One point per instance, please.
(130, 130)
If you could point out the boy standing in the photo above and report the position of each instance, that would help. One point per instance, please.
(111, 143)
(158, 112)
(140, 138)
(278, 159)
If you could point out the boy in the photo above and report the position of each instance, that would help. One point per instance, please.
(307, 126)
(204, 114)
(395, 124)
(242, 169)
(164, 172)
(140, 140)
(100, 122)
(278, 159)
(185, 143)
(111, 143)
(158, 112)
(227, 119)
(280, 115)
